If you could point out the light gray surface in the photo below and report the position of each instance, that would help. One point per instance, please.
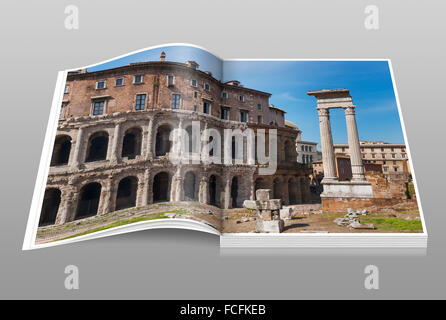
(182, 264)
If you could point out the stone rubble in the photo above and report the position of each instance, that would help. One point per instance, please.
(351, 220)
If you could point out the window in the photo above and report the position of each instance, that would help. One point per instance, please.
(137, 79)
(224, 114)
(403, 155)
(303, 148)
(195, 108)
(311, 149)
(385, 168)
(176, 101)
(140, 101)
(207, 87)
(259, 107)
(67, 88)
(98, 107)
(170, 81)
(259, 119)
(241, 98)
(119, 82)
(196, 94)
(193, 83)
(206, 107)
(243, 116)
(100, 84)
(392, 149)
(224, 95)
(393, 155)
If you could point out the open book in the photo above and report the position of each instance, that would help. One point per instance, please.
(263, 153)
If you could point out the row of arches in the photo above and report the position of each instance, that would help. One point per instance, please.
(89, 197)
(98, 145)
(291, 189)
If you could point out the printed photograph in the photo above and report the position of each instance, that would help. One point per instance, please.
(174, 133)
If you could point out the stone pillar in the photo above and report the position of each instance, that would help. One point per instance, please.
(140, 191)
(149, 142)
(108, 197)
(64, 213)
(115, 155)
(328, 158)
(176, 192)
(227, 192)
(353, 145)
(78, 154)
(146, 187)
(203, 190)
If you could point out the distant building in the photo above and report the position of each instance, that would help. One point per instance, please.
(390, 159)
(306, 150)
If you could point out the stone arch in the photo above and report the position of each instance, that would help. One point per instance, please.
(288, 146)
(304, 189)
(50, 207)
(131, 143)
(97, 146)
(292, 191)
(126, 193)
(88, 203)
(215, 190)
(61, 150)
(190, 186)
(277, 189)
(162, 142)
(161, 183)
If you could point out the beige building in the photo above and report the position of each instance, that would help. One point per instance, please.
(393, 158)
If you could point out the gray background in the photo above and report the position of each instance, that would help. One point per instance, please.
(183, 264)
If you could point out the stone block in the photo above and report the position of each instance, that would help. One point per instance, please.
(262, 194)
(265, 214)
(250, 204)
(274, 204)
(286, 213)
(273, 226)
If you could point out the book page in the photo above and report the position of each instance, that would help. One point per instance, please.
(123, 148)
(331, 155)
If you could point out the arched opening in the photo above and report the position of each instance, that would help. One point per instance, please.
(50, 207)
(234, 192)
(61, 150)
(131, 144)
(277, 189)
(161, 187)
(292, 191)
(162, 144)
(97, 147)
(88, 201)
(305, 190)
(126, 194)
(190, 187)
(288, 151)
(215, 190)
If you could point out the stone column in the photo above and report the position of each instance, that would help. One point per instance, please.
(328, 158)
(149, 143)
(108, 197)
(77, 157)
(115, 154)
(227, 192)
(146, 187)
(64, 213)
(203, 191)
(353, 145)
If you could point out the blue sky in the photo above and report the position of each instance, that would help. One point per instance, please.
(369, 82)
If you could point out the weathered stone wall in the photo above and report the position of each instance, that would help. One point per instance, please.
(72, 177)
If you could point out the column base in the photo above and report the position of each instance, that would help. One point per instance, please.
(347, 189)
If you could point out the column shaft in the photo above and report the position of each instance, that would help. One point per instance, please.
(328, 158)
(353, 145)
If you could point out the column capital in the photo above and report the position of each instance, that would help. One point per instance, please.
(349, 110)
(323, 112)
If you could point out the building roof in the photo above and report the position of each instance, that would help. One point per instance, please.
(83, 74)
(291, 124)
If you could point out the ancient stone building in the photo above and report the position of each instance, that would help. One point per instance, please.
(112, 144)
